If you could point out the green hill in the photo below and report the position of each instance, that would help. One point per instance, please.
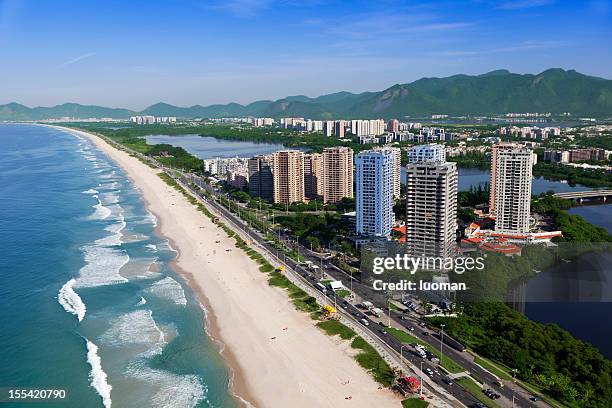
(554, 90)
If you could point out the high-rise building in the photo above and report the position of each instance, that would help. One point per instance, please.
(328, 128)
(429, 152)
(431, 208)
(375, 192)
(510, 196)
(397, 169)
(339, 128)
(337, 173)
(288, 176)
(261, 179)
(313, 175)
(393, 126)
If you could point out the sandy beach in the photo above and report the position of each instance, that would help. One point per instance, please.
(277, 356)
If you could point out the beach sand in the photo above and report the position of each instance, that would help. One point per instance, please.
(277, 356)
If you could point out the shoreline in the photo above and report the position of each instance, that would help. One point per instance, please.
(275, 355)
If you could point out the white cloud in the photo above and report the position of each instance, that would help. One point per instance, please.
(77, 59)
(522, 4)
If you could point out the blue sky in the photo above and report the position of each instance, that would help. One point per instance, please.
(135, 53)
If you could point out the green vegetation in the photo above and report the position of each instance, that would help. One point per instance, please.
(335, 328)
(567, 369)
(471, 160)
(369, 359)
(494, 368)
(577, 229)
(574, 227)
(407, 338)
(414, 403)
(574, 175)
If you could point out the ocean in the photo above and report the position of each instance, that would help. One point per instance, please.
(89, 300)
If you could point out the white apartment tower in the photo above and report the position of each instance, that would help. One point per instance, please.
(510, 197)
(428, 152)
(374, 183)
(431, 204)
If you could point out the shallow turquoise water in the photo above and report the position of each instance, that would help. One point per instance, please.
(88, 301)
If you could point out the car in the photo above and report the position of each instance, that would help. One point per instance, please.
(498, 383)
(478, 404)
(357, 315)
(364, 322)
(534, 398)
(447, 381)
(344, 305)
(422, 324)
(425, 333)
(411, 328)
(382, 331)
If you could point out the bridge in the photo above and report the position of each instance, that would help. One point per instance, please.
(581, 195)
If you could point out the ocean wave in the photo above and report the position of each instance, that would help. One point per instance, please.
(116, 229)
(142, 301)
(97, 376)
(71, 301)
(110, 197)
(101, 212)
(90, 191)
(102, 266)
(169, 289)
(137, 327)
(173, 390)
(152, 247)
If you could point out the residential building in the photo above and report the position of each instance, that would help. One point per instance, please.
(397, 169)
(261, 177)
(393, 126)
(328, 128)
(339, 128)
(510, 185)
(313, 175)
(374, 183)
(288, 176)
(337, 174)
(429, 152)
(431, 207)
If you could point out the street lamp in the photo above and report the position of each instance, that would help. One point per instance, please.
(402, 355)
(421, 378)
(441, 337)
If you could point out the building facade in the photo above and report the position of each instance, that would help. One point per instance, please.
(428, 152)
(510, 184)
(288, 176)
(313, 175)
(374, 183)
(261, 177)
(431, 208)
(337, 174)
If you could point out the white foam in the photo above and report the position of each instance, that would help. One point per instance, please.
(101, 212)
(142, 301)
(116, 238)
(173, 390)
(111, 197)
(90, 191)
(169, 289)
(152, 247)
(71, 301)
(102, 266)
(137, 327)
(97, 376)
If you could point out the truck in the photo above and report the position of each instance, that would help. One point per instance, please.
(321, 287)
(376, 311)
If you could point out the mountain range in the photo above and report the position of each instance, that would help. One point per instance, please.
(554, 90)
